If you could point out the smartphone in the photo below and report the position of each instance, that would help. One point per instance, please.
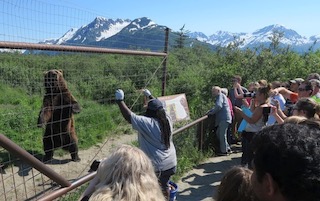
(266, 110)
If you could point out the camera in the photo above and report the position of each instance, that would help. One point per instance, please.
(266, 110)
(94, 166)
(249, 95)
(289, 109)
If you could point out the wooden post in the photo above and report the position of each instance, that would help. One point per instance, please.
(164, 64)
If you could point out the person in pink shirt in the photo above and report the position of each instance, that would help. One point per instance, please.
(225, 92)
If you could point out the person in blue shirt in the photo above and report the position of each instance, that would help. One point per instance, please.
(223, 119)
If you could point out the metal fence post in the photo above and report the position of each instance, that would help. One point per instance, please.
(164, 75)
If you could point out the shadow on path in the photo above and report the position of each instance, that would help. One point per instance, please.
(200, 183)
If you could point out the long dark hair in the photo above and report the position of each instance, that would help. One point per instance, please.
(165, 127)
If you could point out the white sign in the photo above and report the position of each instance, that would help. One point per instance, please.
(176, 106)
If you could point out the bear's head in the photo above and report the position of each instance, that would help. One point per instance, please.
(54, 81)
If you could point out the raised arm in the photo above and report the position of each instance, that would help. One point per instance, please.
(256, 115)
(237, 87)
(276, 112)
(125, 111)
(90, 189)
(285, 92)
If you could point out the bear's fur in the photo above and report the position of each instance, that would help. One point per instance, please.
(56, 116)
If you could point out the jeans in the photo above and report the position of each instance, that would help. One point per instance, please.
(222, 136)
(247, 152)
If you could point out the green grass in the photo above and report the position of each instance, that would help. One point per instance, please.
(187, 152)
(19, 113)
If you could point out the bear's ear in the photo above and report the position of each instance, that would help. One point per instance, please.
(45, 72)
(61, 71)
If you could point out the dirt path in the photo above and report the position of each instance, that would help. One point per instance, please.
(200, 183)
(21, 182)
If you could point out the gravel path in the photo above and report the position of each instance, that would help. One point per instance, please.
(200, 183)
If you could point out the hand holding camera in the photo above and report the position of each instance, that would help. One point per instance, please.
(274, 110)
(236, 84)
(275, 103)
(274, 92)
(266, 110)
(249, 95)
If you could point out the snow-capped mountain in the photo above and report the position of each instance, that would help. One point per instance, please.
(315, 37)
(144, 33)
(260, 37)
(99, 29)
(140, 24)
(140, 33)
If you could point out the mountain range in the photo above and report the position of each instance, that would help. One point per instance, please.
(143, 33)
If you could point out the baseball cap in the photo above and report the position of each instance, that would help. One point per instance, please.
(296, 80)
(154, 104)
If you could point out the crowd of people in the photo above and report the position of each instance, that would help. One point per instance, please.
(279, 128)
(285, 166)
(242, 112)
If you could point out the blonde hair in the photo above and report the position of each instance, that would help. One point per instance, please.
(294, 119)
(127, 175)
(263, 83)
(216, 88)
(254, 85)
(224, 91)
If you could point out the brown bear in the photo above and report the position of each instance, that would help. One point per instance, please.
(56, 116)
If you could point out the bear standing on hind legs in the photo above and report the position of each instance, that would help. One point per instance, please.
(56, 116)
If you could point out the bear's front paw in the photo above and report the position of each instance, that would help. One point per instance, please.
(76, 108)
(46, 158)
(75, 158)
(39, 125)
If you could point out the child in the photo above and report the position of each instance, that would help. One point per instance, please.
(236, 185)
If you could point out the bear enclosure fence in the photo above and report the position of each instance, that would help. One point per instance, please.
(92, 74)
(32, 185)
(30, 179)
(24, 158)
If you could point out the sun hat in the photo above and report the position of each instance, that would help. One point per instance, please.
(296, 80)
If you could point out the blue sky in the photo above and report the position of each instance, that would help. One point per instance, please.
(43, 19)
(209, 16)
